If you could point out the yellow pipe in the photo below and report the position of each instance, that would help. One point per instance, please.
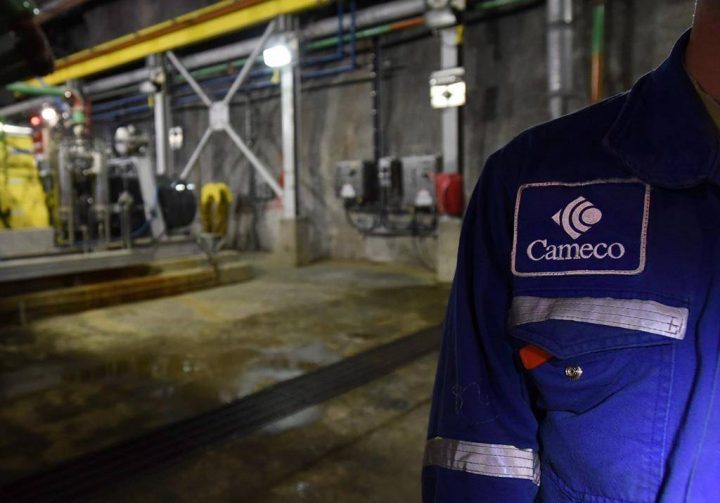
(104, 57)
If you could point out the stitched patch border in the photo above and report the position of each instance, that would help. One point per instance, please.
(624, 272)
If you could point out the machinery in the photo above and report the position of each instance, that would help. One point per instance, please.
(397, 196)
(105, 197)
(82, 186)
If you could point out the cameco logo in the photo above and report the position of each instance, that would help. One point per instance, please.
(577, 217)
(580, 228)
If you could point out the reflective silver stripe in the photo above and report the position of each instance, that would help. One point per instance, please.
(483, 459)
(643, 315)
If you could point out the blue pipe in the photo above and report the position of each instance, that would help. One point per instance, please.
(192, 97)
(353, 27)
(340, 53)
(340, 49)
(118, 104)
(116, 107)
(119, 112)
(109, 105)
(328, 72)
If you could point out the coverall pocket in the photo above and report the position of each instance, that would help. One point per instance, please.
(602, 402)
(588, 365)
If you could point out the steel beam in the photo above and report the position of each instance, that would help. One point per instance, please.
(196, 154)
(219, 118)
(264, 172)
(189, 78)
(250, 62)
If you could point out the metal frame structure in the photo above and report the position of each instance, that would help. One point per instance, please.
(219, 120)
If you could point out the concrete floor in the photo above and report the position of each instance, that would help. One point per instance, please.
(72, 384)
(364, 446)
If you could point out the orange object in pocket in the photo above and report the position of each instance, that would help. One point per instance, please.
(532, 356)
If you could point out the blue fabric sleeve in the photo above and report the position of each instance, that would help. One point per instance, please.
(480, 395)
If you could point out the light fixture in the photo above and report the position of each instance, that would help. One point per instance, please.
(277, 56)
(49, 115)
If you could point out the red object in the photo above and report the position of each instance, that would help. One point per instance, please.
(35, 120)
(449, 189)
(532, 357)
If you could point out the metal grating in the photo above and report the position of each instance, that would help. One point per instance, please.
(93, 472)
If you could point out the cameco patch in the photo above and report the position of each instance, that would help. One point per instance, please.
(597, 227)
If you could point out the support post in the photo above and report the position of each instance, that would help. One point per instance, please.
(450, 58)
(289, 102)
(448, 231)
(161, 110)
(293, 246)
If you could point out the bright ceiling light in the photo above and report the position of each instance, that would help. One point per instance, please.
(277, 56)
(49, 115)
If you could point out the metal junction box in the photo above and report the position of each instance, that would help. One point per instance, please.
(418, 180)
(356, 181)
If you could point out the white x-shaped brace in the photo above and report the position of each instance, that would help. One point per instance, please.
(219, 113)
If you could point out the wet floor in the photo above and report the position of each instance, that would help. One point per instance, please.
(73, 384)
(364, 446)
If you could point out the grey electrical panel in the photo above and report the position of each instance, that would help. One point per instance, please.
(418, 180)
(356, 181)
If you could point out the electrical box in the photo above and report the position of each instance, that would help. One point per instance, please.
(390, 181)
(356, 182)
(418, 181)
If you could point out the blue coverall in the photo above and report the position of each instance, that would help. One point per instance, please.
(592, 241)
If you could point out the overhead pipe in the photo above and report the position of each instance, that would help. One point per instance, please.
(29, 90)
(373, 32)
(379, 19)
(598, 48)
(363, 16)
(340, 43)
(560, 55)
(370, 16)
(218, 19)
(388, 11)
(22, 107)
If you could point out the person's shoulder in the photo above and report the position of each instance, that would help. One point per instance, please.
(587, 125)
(570, 140)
